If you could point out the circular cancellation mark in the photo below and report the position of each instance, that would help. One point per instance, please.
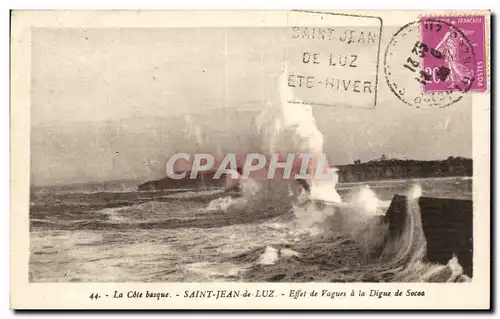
(429, 63)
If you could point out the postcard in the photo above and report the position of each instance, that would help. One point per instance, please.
(300, 159)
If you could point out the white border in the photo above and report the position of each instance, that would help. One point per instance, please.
(187, 4)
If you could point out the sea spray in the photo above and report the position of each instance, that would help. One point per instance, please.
(285, 127)
(350, 236)
(365, 201)
(248, 190)
(403, 256)
(221, 204)
(410, 245)
(270, 256)
(361, 219)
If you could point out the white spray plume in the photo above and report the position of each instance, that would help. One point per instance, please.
(290, 126)
(415, 191)
(270, 256)
(365, 201)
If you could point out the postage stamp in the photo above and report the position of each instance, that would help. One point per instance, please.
(458, 62)
(405, 72)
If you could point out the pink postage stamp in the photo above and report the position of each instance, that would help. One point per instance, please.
(453, 53)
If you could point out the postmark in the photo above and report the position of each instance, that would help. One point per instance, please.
(333, 59)
(460, 63)
(408, 55)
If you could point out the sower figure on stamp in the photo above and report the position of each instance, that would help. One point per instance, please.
(449, 47)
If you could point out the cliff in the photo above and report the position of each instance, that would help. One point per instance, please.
(201, 182)
(358, 172)
(404, 169)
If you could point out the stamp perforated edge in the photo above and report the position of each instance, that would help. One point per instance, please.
(487, 33)
(391, 88)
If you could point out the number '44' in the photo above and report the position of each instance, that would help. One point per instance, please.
(94, 296)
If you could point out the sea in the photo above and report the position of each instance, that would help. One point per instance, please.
(114, 233)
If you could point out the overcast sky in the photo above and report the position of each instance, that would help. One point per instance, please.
(110, 103)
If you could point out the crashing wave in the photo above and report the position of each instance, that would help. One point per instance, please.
(353, 235)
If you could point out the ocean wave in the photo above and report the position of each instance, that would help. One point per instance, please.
(353, 247)
(263, 238)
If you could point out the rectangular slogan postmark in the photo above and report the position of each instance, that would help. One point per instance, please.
(333, 58)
